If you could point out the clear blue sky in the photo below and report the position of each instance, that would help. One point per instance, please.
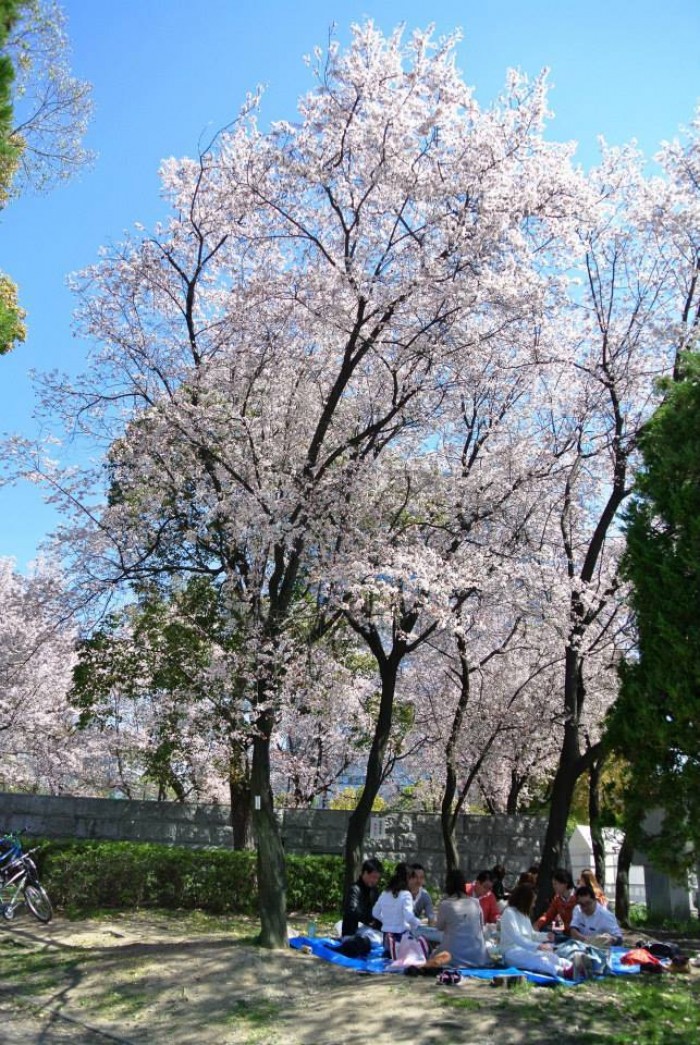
(169, 72)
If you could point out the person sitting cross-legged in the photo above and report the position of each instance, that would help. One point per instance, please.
(394, 909)
(462, 923)
(524, 947)
(593, 923)
(361, 898)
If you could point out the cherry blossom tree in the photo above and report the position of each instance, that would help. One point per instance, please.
(322, 725)
(51, 106)
(37, 745)
(292, 320)
(637, 310)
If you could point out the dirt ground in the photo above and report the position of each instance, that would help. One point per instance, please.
(150, 978)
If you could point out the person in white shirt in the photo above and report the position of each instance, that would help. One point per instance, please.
(521, 945)
(394, 909)
(590, 919)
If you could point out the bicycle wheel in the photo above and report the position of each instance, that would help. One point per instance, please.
(38, 902)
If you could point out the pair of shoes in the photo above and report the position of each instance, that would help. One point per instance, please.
(583, 966)
(449, 976)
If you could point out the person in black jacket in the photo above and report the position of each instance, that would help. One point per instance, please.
(361, 898)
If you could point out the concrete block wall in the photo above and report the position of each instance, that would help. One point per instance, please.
(170, 823)
(482, 841)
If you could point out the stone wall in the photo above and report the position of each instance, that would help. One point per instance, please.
(172, 823)
(482, 841)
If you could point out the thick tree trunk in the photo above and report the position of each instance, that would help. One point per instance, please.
(272, 876)
(359, 818)
(571, 765)
(447, 812)
(516, 785)
(622, 890)
(568, 771)
(597, 840)
(239, 790)
(447, 820)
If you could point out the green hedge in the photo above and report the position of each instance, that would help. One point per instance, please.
(83, 875)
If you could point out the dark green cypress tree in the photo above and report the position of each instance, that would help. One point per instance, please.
(655, 723)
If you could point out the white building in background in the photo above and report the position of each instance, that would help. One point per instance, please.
(581, 856)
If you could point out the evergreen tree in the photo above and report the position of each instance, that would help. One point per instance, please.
(655, 723)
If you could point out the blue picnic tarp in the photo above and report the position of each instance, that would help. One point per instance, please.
(326, 948)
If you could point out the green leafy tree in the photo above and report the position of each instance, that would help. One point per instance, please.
(44, 112)
(156, 666)
(11, 328)
(655, 723)
(9, 147)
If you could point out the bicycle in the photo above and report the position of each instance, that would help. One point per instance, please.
(19, 881)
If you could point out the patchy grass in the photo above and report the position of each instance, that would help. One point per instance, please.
(655, 1011)
(27, 972)
(456, 1001)
(245, 928)
(619, 1011)
(256, 1013)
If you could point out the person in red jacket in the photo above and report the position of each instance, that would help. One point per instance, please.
(482, 889)
(561, 907)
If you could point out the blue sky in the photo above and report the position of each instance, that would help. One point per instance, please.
(167, 73)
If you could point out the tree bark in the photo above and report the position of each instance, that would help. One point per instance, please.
(447, 821)
(359, 818)
(239, 790)
(447, 811)
(622, 891)
(516, 785)
(272, 874)
(571, 765)
(597, 839)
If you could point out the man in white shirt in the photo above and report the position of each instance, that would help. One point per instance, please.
(590, 919)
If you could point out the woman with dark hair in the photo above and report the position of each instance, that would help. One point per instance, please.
(394, 909)
(562, 903)
(461, 921)
(524, 947)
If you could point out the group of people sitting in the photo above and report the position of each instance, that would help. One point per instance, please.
(558, 943)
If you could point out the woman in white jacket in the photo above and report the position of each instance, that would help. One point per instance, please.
(522, 946)
(394, 909)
